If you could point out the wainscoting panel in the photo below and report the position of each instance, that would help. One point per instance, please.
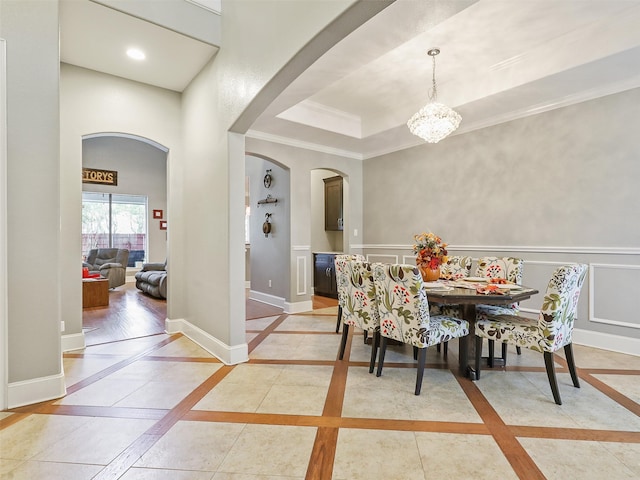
(301, 275)
(614, 294)
(376, 257)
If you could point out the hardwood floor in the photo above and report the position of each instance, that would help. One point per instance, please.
(133, 314)
(130, 314)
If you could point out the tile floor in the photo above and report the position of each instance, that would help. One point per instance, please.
(161, 408)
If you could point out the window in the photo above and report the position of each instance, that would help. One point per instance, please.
(115, 221)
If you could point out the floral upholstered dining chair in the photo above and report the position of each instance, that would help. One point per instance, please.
(360, 307)
(342, 280)
(550, 332)
(507, 268)
(455, 268)
(404, 315)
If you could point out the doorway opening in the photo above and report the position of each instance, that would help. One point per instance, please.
(131, 215)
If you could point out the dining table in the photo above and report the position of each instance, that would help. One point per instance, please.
(468, 293)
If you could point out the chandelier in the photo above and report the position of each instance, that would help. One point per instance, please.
(434, 121)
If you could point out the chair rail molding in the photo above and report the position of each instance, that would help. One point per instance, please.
(518, 248)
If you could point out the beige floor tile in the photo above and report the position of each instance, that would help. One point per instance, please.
(628, 385)
(127, 347)
(393, 396)
(156, 474)
(271, 450)
(163, 395)
(305, 375)
(76, 369)
(245, 476)
(8, 465)
(5, 415)
(298, 347)
(294, 400)
(192, 446)
(260, 323)
(308, 323)
(187, 372)
(562, 459)
(105, 392)
(97, 441)
(37, 433)
(52, 471)
(182, 347)
(446, 456)
(589, 357)
(234, 397)
(252, 374)
(251, 336)
(523, 398)
(376, 454)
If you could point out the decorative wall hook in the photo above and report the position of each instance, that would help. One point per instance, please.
(266, 226)
(267, 179)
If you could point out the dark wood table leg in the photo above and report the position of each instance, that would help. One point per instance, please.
(466, 369)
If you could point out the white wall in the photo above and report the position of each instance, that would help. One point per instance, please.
(258, 39)
(142, 170)
(92, 102)
(33, 229)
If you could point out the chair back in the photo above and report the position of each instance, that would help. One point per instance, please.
(456, 267)
(404, 309)
(99, 256)
(509, 268)
(360, 308)
(342, 279)
(560, 307)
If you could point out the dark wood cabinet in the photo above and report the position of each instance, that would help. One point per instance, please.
(333, 203)
(324, 275)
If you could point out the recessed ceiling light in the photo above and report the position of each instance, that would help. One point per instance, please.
(136, 54)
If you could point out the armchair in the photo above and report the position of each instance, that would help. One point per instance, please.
(152, 279)
(111, 263)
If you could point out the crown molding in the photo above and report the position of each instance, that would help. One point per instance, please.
(300, 144)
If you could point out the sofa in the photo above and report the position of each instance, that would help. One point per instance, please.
(111, 263)
(152, 279)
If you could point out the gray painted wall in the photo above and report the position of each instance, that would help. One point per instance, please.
(302, 164)
(33, 199)
(556, 187)
(269, 255)
(142, 170)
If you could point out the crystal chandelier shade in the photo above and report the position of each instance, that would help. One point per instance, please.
(434, 121)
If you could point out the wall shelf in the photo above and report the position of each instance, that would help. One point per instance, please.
(269, 199)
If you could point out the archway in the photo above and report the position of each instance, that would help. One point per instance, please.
(136, 207)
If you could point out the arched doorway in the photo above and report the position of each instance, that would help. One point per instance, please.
(130, 213)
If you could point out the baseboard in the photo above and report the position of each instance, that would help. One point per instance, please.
(74, 341)
(36, 390)
(606, 341)
(266, 298)
(230, 355)
(298, 307)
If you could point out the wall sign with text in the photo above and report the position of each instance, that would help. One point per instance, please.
(99, 176)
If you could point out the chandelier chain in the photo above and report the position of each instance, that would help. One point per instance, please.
(433, 95)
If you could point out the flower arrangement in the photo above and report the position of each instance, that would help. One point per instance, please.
(430, 251)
